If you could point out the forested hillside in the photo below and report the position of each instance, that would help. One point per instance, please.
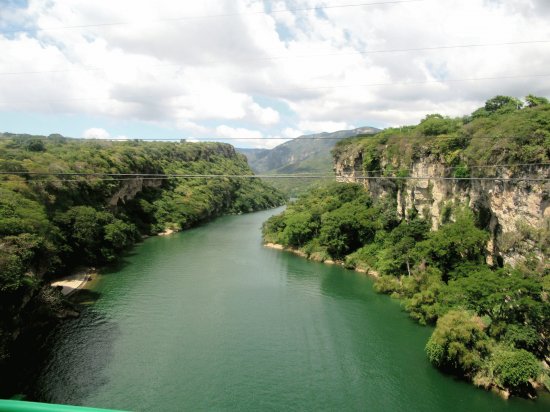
(305, 154)
(492, 317)
(64, 204)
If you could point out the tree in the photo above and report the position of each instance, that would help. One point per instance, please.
(20, 215)
(399, 253)
(36, 145)
(458, 343)
(498, 105)
(514, 369)
(502, 104)
(17, 255)
(454, 243)
(435, 125)
(299, 228)
(534, 101)
(346, 229)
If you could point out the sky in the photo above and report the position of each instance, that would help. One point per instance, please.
(264, 71)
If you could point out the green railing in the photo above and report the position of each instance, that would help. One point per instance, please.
(22, 406)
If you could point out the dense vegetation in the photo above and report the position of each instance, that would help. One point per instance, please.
(492, 322)
(309, 155)
(504, 131)
(51, 224)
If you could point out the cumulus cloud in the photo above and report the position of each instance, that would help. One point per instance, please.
(324, 126)
(177, 65)
(100, 133)
(247, 137)
(96, 133)
(237, 133)
(291, 133)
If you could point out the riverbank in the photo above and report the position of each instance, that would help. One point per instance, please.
(318, 258)
(79, 280)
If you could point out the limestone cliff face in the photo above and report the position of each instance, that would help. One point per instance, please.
(128, 190)
(507, 209)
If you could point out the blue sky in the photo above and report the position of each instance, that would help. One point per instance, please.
(224, 70)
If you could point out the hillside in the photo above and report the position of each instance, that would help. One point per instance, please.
(62, 207)
(453, 217)
(305, 154)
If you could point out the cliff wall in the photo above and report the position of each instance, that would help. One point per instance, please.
(512, 210)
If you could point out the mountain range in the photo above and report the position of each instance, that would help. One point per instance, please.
(304, 154)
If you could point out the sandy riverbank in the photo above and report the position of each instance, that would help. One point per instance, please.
(79, 280)
(277, 246)
(167, 232)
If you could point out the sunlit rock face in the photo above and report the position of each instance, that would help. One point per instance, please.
(510, 210)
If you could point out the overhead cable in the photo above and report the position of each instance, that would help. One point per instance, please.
(358, 52)
(328, 87)
(115, 177)
(208, 16)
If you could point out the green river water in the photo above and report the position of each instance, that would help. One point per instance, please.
(209, 319)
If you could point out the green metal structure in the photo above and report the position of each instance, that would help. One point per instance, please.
(23, 406)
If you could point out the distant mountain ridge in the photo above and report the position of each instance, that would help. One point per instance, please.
(303, 154)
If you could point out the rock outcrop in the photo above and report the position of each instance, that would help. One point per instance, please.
(128, 190)
(511, 210)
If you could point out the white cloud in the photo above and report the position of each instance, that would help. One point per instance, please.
(188, 74)
(248, 138)
(237, 133)
(291, 133)
(100, 133)
(96, 133)
(324, 126)
(264, 115)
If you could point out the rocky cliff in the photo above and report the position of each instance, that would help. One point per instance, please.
(513, 207)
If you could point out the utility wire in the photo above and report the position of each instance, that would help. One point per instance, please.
(337, 86)
(414, 139)
(95, 177)
(223, 15)
(442, 81)
(359, 52)
(170, 175)
(359, 136)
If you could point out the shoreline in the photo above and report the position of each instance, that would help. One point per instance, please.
(369, 272)
(72, 283)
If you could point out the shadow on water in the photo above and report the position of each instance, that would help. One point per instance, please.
(85, 297)
(121, 262)
(80, 351)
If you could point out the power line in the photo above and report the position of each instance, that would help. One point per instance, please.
(442, 81)
(170, 175)
(124, 177)
(359, 52)
(398, 135)
(338, 86)
(223, 15)
(468, 167)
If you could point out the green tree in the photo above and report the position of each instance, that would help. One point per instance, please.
(500, 104)
(399, 254)
(20, 215)
(299, 229)
(534, 101)
(347, 228)
(458, 343)
(18, 255)
(436, 124)
(454, 243)
(514, 369)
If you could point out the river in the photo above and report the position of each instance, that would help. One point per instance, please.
(209, 319)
